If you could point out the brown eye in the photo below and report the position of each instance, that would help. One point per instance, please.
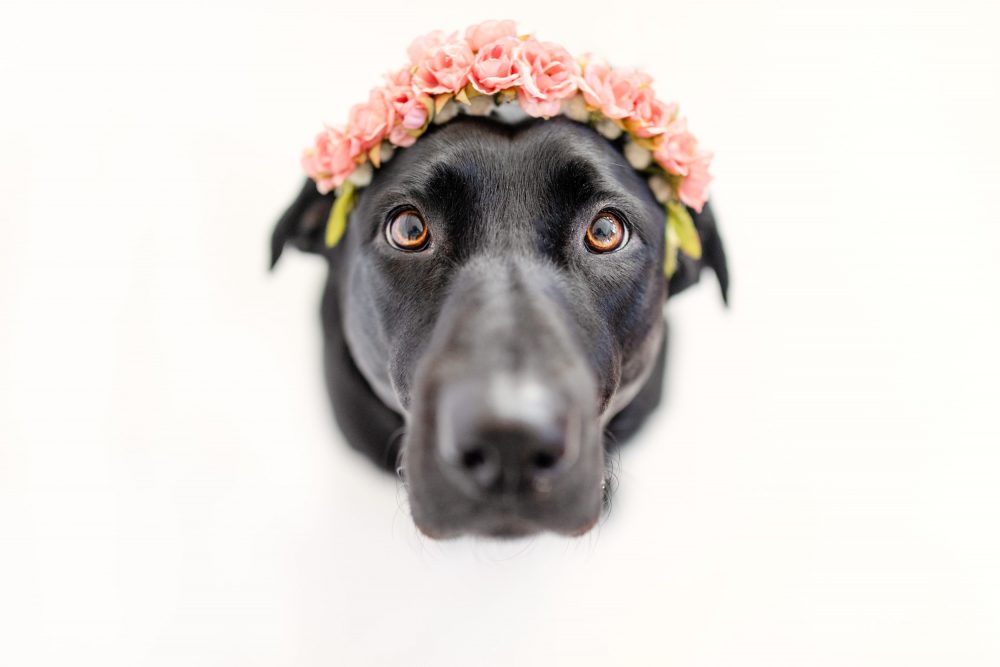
(408, 231)
(606, 233)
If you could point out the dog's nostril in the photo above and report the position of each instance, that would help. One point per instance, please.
(544, 460)
(474, 458)
(482, 464)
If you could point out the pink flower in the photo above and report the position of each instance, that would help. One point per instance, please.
(400, 136)
(482, 34)
(410, 106)
(330, 160)
(422, 46)
(548, 75)
(443, 66)
(677, 148)
(370, 122)
(650, 116)
(693, 190)
(492, 60)
(613, 91)
(398, 78)
(493, 69)
(677, 151)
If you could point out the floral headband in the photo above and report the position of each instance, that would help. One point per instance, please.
(492, 66)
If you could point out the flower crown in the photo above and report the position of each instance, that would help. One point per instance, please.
(491, 66)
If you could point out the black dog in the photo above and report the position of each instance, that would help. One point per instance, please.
(474, 338)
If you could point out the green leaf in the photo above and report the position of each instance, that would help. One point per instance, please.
(670, 261)
(336, 225)
(680, 220)
(440, 101)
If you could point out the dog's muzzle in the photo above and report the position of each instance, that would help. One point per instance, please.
(504, 437)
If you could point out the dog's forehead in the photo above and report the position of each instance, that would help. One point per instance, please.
(472, 158)
(559, 137)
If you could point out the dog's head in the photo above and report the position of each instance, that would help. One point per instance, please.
(500, 288)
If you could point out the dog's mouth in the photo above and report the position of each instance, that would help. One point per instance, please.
(510, 523)
(503, 522)
(502, 526)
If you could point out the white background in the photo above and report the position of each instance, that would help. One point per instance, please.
(821, 488)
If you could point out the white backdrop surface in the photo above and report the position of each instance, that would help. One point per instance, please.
(820, 489)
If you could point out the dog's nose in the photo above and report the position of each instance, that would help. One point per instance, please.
(510, 437)
(515, 459)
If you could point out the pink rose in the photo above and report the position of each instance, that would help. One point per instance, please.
(694, 188)
(444, 67)
(480, 35)
(330, 160)
(677, 148)
(398, 78)
(650, 116)
(677, 151)
(613, 91)
(493, 69)
(422, 46)
(410, 106)
(368, 123)
(548, 75)
(400, 136)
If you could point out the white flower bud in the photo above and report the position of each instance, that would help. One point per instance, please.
(448, 111)
(385, 151)
(511, 113)
(575, 108)
(362, 175)
(480, 105)
(608, 128)
(660, 188)
(637, 156)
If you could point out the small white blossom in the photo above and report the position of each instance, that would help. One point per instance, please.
(511, 113)
(448, 111)
(637, 156)
(608, 128)
(480, 105)
(575, 108)
(660, 188)
(385, 151)
(362, 175)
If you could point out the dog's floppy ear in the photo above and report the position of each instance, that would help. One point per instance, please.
(713, 255)
(303, 223)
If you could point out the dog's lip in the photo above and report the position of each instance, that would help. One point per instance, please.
(498, 526)
(509, 527)
(507, 519)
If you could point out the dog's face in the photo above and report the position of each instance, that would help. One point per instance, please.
(500, 288)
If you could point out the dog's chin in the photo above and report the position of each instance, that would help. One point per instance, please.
(503, 527)
(444, 519)
(498, 528)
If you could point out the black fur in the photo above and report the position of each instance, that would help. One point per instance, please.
(506, 288)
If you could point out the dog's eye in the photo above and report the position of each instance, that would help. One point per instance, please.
(606, 233)
(408, 231)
